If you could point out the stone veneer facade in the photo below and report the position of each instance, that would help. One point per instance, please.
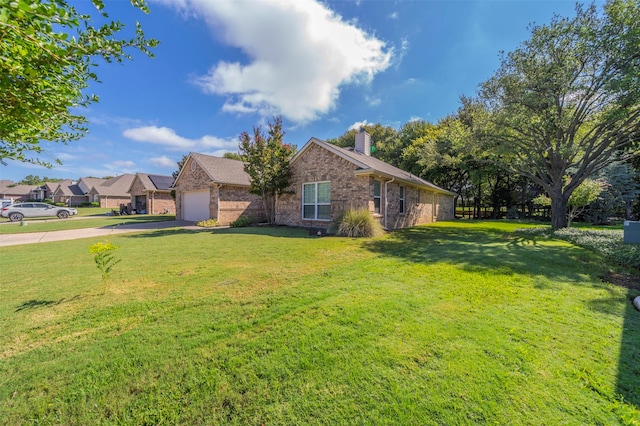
(226, 202)
(157, 202)
(356, 191)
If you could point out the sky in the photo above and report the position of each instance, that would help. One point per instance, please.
(225, 66)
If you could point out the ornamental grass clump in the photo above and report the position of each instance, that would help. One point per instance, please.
(104, 259)
(358, 223)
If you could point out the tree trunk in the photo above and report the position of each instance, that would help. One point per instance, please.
(558, 211)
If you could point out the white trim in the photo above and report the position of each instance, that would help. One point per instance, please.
(316, 204)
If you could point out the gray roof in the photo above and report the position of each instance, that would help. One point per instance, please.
(68, 187)
(368, 164)
(223, 170)
(16, 190)
(116, 186)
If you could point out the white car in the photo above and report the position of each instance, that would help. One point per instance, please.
(17, 212)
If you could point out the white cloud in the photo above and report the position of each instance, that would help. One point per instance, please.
(168, 137)
(415, 118)
(358, 124)
(163, 161)
(299, 55)
(158, 135)
(394, 15)
(373, 101)
(124, 164)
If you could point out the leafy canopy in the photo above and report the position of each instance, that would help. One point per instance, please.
(266, 160)
(49, 52)
(566, 103)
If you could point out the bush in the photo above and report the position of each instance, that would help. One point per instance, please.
(357, 223)
(608, 242)
(89, 204)
(60, 204)
(242, 221)
(208, 223)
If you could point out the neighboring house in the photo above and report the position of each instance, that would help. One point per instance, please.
(327, 179)
(86, 183)
(215, 188)
(69, 193)
(109, 193)
(152, 193)
(9, 190)
(44, 191)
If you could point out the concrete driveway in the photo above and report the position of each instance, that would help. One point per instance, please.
(74, 234)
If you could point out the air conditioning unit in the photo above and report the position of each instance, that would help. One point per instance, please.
(631, 232)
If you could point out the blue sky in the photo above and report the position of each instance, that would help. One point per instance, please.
(224, 66)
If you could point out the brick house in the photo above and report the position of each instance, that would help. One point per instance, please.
(152, 193)
(69, 193)
(215, 188)
(110, 193)
(328, 179)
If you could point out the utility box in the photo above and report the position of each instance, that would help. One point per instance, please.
(631, 232)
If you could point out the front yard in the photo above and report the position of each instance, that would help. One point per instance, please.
(86, 218)
(455, 323)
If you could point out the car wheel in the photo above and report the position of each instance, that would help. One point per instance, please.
(63, 214)
(16, 217)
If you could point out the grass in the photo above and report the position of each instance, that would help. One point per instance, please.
(455, 323)
(77, 222)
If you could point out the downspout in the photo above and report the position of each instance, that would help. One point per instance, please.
(386, 202)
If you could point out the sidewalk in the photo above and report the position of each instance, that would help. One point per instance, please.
(74, 234)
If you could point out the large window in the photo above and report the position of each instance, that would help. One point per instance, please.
(377, 197)
(316, 201)
(402, 199)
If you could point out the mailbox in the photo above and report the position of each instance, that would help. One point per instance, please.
(631, 232)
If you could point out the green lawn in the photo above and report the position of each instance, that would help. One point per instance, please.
(455, 323)
(83, 220)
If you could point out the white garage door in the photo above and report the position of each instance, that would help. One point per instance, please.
(195, 205)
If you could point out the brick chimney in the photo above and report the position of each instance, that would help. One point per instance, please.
(363, 142)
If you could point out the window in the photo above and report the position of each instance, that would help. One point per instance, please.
(377, 198)
(402, 199)
(316, 201)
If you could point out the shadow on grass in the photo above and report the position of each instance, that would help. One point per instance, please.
(628, 382)
(270, 231)
(481, 249)
(34, 303)
(486, 249)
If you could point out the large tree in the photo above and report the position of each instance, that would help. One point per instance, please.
(266, 160)
(49, 51)
(566, 103)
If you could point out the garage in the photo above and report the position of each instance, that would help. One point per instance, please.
(195, 206)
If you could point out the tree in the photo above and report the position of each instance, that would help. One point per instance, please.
(267, 163)
(620, 192)
(584, 194)
(385, 143)
(175, 173)
(566, 103)
(232, 156)
(49, 51)
(37, 180)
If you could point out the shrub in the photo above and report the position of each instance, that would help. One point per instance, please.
(608, 242)
(357, 223)
(242, 221)
(89, 204)
(208, 223)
